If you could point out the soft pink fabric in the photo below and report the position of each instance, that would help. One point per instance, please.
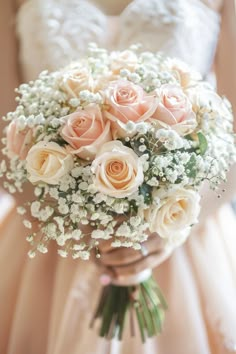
(49, 301)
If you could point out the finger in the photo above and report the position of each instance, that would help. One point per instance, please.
(150, 261)
(123, 256)
(105, 246)
(120, 256)
(120, 219)
(106, 275)
(86, 229)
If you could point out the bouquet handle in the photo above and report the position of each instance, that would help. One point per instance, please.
(132, 279)
(137, 295)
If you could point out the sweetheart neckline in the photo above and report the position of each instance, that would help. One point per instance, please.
(123, 12)
(126, 8)
(58, 36)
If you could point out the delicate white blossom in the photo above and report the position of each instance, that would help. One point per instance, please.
(146, 176)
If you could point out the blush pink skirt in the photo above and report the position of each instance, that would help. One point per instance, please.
(46, 303)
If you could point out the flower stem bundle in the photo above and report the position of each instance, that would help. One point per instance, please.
(141, 306)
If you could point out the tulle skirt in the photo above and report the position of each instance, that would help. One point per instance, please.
(46, 303)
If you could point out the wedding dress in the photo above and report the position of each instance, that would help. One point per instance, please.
(47, 303)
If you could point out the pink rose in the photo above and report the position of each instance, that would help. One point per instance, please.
(85, 130)
(128, 102)
(175, 110)
(18, 141)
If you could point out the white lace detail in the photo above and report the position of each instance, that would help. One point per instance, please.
(186, 29)
(54, 32)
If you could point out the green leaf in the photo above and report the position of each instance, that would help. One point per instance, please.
(190, 167)
(146, 192)
(202, 143)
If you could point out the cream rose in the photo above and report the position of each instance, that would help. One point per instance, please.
(18, 141)
(175, 110)
(124, 60)
(77, 79)
(183, 73)
(86, 131)
(48, 162)
(205, 96)
(173, 219)
(117, 169)
(127, 102)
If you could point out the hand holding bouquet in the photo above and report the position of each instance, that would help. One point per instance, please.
(117, 134)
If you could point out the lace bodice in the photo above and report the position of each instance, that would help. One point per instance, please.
(54, 32)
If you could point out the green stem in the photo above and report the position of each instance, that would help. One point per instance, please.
(144, 300)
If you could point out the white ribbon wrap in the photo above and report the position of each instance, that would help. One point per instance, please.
(129, 280)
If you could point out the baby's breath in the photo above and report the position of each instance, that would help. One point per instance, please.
(74, 212)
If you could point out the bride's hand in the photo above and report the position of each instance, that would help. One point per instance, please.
(127, 261)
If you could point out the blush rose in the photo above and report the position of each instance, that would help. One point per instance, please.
(18, 141)
(174, 110)
(86, 131)
(126, 102)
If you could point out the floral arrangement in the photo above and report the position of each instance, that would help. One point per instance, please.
(131, 134)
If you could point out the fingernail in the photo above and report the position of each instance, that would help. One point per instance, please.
(105, 279)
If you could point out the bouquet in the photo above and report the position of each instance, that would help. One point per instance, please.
(126, 134)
